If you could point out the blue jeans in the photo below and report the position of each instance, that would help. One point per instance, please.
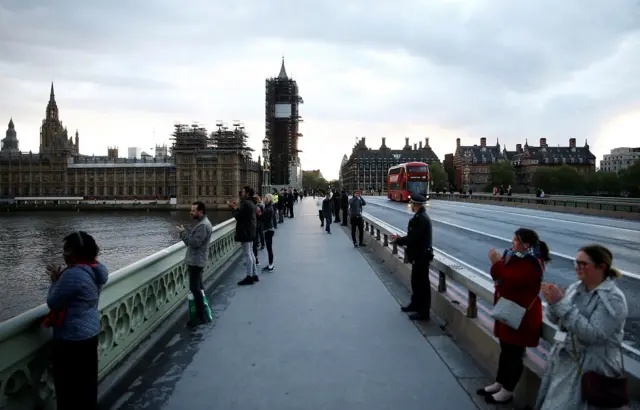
(327, 224)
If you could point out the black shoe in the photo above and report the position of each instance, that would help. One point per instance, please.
(408, 309)
(355, 245)
(262, 248)
(489, 399)
(419, 316)
(248, 280)
(266, 268)
(255, 278)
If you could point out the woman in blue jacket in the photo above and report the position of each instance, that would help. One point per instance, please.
(75, 319)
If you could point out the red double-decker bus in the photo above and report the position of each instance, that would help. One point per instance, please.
(406, 179)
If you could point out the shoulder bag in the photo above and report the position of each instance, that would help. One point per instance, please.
(509, 312)
(599, 390)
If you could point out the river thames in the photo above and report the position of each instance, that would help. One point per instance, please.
(31, 240)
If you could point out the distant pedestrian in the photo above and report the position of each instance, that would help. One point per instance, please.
(328, 211)
(319, 207)
(355, 213)
(267, 226)
(245, 215)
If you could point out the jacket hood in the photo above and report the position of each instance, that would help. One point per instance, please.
(99, 272)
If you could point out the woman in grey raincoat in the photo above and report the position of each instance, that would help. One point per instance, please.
(591, 315)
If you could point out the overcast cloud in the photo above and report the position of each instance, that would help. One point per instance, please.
(125, 71)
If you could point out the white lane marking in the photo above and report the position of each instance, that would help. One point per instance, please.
(560, 255)
(544, 217)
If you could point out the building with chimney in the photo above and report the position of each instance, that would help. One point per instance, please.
(366, 168)
(282, 120)
(472, 162)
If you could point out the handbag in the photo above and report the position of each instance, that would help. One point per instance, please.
(603, 391)
(509, 312)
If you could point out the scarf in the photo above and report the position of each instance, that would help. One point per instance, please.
(532, 253)
(55, 318)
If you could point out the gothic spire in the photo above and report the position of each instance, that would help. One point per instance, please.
(52, 95)
(283, 71)
(11, 126)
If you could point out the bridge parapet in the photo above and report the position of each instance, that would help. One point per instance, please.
(463, 298)
(137, 300)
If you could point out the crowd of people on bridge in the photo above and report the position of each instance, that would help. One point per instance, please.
(585, 365)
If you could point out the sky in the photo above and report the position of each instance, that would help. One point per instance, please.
(126, 71)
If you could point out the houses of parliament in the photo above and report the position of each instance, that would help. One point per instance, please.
(207, 167)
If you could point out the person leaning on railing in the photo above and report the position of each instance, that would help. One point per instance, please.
(75, 319)
(585, 368)
(517, 310)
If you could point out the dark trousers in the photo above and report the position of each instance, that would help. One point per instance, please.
(268, 238)
(345, 212)
(337, 211)
(291, 211)
(321, 217)
(510, 365)
(421, 286)
(260, 236)
(196, 288)
(75, 373)
(357, 222)
(281, 215)
(327, 223)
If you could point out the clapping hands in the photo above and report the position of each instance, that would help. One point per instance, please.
(53, 272)
(494, 256)
(553, 293)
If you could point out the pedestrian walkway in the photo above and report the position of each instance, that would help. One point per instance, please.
(320, 332)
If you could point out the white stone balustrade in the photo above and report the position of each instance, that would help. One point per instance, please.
(136, 300)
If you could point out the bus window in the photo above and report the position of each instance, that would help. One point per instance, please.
(418, 169)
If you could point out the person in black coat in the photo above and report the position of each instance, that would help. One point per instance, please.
(336, 205)
(328, 210)
(419, 251)
(246, 229)
(290, 200)
(344, 205)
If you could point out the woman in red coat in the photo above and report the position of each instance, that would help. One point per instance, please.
(517, 275)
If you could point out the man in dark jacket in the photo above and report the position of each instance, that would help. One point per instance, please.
(355, 212)
(419, 251)
(290, 204)
(336, 205)
(327, 211)
(246, 228)
(344, 205)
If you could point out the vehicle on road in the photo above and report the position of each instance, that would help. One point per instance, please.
(403, 180)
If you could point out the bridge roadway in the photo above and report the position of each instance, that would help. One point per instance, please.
(322, 331)
(467, 231)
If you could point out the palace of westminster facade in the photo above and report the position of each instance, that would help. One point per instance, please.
(197, 171)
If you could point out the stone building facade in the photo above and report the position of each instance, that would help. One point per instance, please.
(366, 168)
(204, 172)
(472, 162)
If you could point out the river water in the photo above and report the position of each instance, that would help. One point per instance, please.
(31, 240)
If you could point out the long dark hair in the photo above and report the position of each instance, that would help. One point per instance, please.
(601, 255)
(530, 237)
(80, 247)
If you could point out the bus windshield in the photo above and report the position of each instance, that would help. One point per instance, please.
(418, 169)
(417, 187)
